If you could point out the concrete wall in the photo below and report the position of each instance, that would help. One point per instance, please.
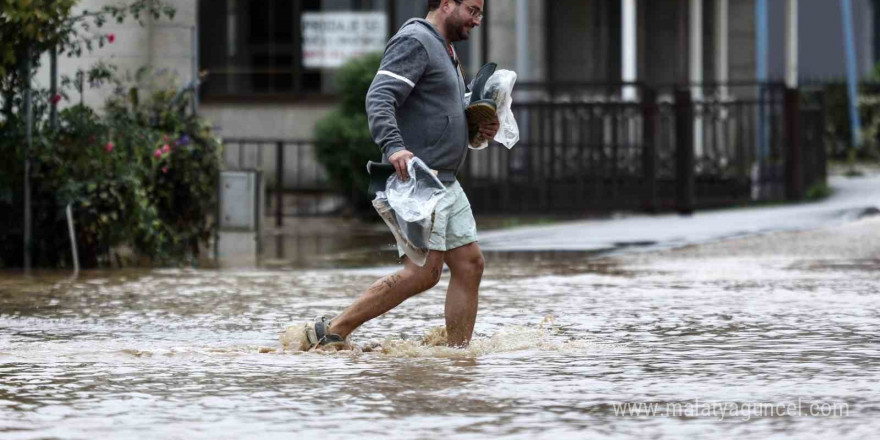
(164, 43)
(581, 49)
(502, 37)
(741, 45)
(586, 48)
(587, 37)
(821, 51)
(664, 61)
(167, 44)
(171, 42)
(265, 121)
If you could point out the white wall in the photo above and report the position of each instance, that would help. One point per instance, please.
(502, 37)
(164, 43)
(265, 121)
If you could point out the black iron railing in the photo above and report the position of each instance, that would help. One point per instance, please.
(598, 147)
(588, 147)
(297, 181)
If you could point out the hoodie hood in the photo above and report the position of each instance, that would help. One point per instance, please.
(427, 24)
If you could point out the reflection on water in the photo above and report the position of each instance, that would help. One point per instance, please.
(330, 243)
(327, 243)
(196, 354)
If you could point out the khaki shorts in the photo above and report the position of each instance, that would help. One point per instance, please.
(454, 224)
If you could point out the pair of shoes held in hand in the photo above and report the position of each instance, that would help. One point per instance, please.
(482, 108)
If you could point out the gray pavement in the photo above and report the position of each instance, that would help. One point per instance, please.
(853, 198)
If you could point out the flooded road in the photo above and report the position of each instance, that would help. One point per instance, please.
(701, 342)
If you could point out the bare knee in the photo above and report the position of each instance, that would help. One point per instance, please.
(472, 267)
(425, 277)
(478, 265)
(431, 275)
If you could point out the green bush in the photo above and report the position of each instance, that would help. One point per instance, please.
(106, 167)
(142, 176)
(342, 139)
(838, 128)
(818, 191)
(181, 158)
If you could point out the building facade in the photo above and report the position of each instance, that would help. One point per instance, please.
(262, 80)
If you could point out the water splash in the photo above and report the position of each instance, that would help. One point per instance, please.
(543, 337)
(294, 338)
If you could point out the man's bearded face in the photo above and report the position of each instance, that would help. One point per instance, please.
(459, 24)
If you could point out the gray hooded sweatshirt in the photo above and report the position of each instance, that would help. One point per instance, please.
(416, 101)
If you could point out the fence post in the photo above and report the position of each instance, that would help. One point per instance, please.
(794, 160)
(684, 154)
(649, 147)
(279, 184)
(822, 152)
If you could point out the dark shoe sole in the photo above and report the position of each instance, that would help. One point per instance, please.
(480, 80)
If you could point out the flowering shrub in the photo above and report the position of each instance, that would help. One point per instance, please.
(142, 176)
(100, 165)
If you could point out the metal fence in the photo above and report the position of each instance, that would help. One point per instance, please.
(597, 148)
(593, 148)
(297, 181)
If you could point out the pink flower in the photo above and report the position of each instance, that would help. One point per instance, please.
(166, 149)
(55, 99)
(158, 153)
(111, 38)
(165, 170)
(109, 146)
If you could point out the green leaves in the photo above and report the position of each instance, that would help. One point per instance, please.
(342, 139)
(120, 197)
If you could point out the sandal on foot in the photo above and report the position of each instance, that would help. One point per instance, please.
(318, 334)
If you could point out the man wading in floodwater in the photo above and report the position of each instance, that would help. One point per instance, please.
(416, 108)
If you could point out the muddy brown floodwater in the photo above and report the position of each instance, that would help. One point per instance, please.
(763, 337)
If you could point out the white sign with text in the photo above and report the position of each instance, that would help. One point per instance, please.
(332, 38)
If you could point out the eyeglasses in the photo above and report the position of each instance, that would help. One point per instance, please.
(473, 10)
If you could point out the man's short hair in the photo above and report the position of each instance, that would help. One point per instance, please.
(434, 4)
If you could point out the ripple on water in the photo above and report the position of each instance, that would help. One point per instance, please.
(197, 353)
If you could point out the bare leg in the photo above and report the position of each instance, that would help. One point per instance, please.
(389, 292)
(466, 265)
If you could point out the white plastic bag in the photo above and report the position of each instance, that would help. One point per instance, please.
(416, 198)
(407, 207)
(499, 88)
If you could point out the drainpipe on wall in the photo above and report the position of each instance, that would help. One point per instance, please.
(696, 69)
(761, 37)
(791, 44)
(629, 72)
(761, 138)
(851, 75)
(522, 40)
(722, 64)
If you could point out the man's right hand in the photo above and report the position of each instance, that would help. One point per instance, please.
(400, 160)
